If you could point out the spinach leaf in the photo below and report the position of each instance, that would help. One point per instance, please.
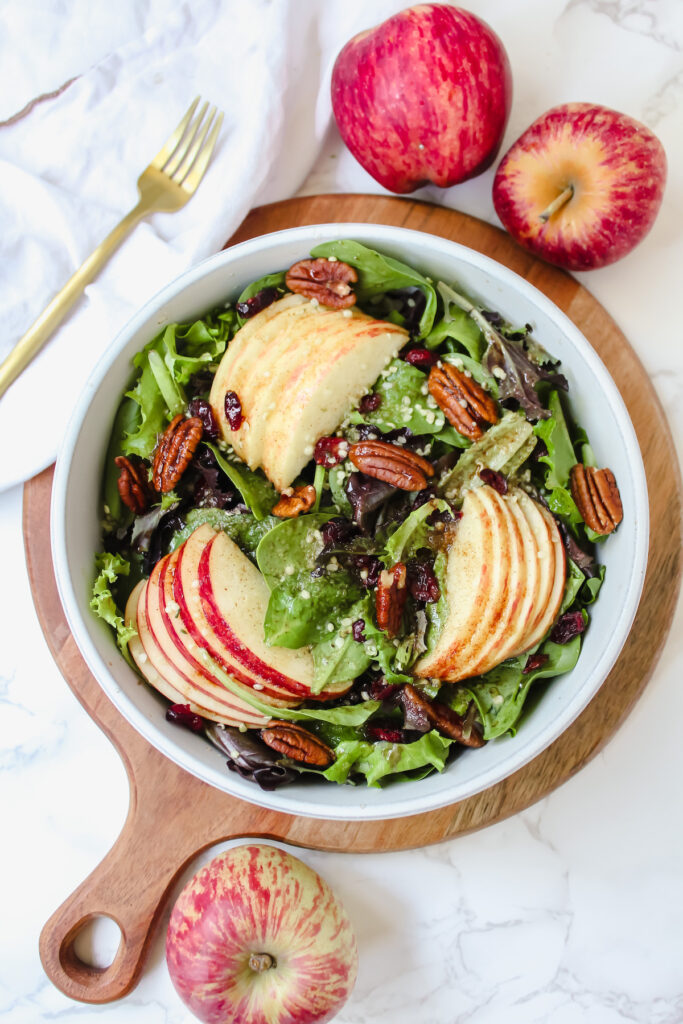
(258, 492)
(574, 582)
(377, 761)
(301, 606)
(474, 368)
(293, 545)
(378, 274)
(555, 433)
(456, 325)
(339, 657)
(276, 280)
(405, 402)
(338, 478)
(125, 422)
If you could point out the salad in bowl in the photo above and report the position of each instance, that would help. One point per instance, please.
(351, 522)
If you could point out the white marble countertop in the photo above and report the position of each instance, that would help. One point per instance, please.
(569, 912)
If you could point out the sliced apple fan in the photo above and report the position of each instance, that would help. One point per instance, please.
(246, 618)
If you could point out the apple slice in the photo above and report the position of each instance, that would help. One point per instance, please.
(282, 367)
(165, 678)
(471, 559)
(558, 560)
(520, 621)
(336, 366)
(163, 619)
(508, 611)
(322, 360)
(250, 348)
(202, 642)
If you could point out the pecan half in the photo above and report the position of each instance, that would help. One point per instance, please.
(134, 487)
(174, 450)
(392, 464)
(293, 504)
(597, 497)
(464, 403)
(390, 598)
(423, 714)
(328, 281)
(297, 743)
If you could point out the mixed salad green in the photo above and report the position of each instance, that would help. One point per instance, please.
(322, 567)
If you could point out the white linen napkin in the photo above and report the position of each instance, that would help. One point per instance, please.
(70, 158)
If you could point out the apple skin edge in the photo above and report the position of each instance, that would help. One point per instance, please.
(424, 97)
(257, 900)
(617, 168)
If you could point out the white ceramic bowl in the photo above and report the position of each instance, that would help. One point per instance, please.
(594, 398)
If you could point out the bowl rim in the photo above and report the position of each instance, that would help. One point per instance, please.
(510, 761)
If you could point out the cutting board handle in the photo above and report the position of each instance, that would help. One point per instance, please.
(130, 886)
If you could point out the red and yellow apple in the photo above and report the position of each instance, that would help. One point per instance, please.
(423, 97)
(581, 186)
(298, 368)
(258, 936)
(505, 577)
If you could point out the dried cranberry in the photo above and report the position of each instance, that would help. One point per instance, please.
(254, 305)
(358, 630)
(182, 714)
(368, 568)
(368, 432)
(421, 357)
(330, 451)
(494, 479)
(380, 734)
(233, 410)
(201, 408)
(336, 532)
(567, 627)
(422, 582)
(369, 403)
(379, 689)
(533, 662)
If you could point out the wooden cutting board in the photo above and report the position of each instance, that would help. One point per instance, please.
(173, 816)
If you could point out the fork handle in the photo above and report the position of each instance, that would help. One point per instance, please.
(36, 336)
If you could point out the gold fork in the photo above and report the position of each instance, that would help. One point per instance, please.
(167, 184)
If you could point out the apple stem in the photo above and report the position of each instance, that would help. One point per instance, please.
(260, 962)
(557, 203)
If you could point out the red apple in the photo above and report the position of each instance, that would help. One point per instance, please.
(258, 936)
(423, 97)
(582, 186)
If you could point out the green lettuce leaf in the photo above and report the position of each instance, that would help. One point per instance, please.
(500, 694)
(180, 350)
(125, 422)
(258, 492)
(377, 761)
(573, 584)
(414, 531)
(477, 371)
(494, 450)
(378, 274)
(404, 403)
(109, 569)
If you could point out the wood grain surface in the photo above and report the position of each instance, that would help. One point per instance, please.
(173, 816)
